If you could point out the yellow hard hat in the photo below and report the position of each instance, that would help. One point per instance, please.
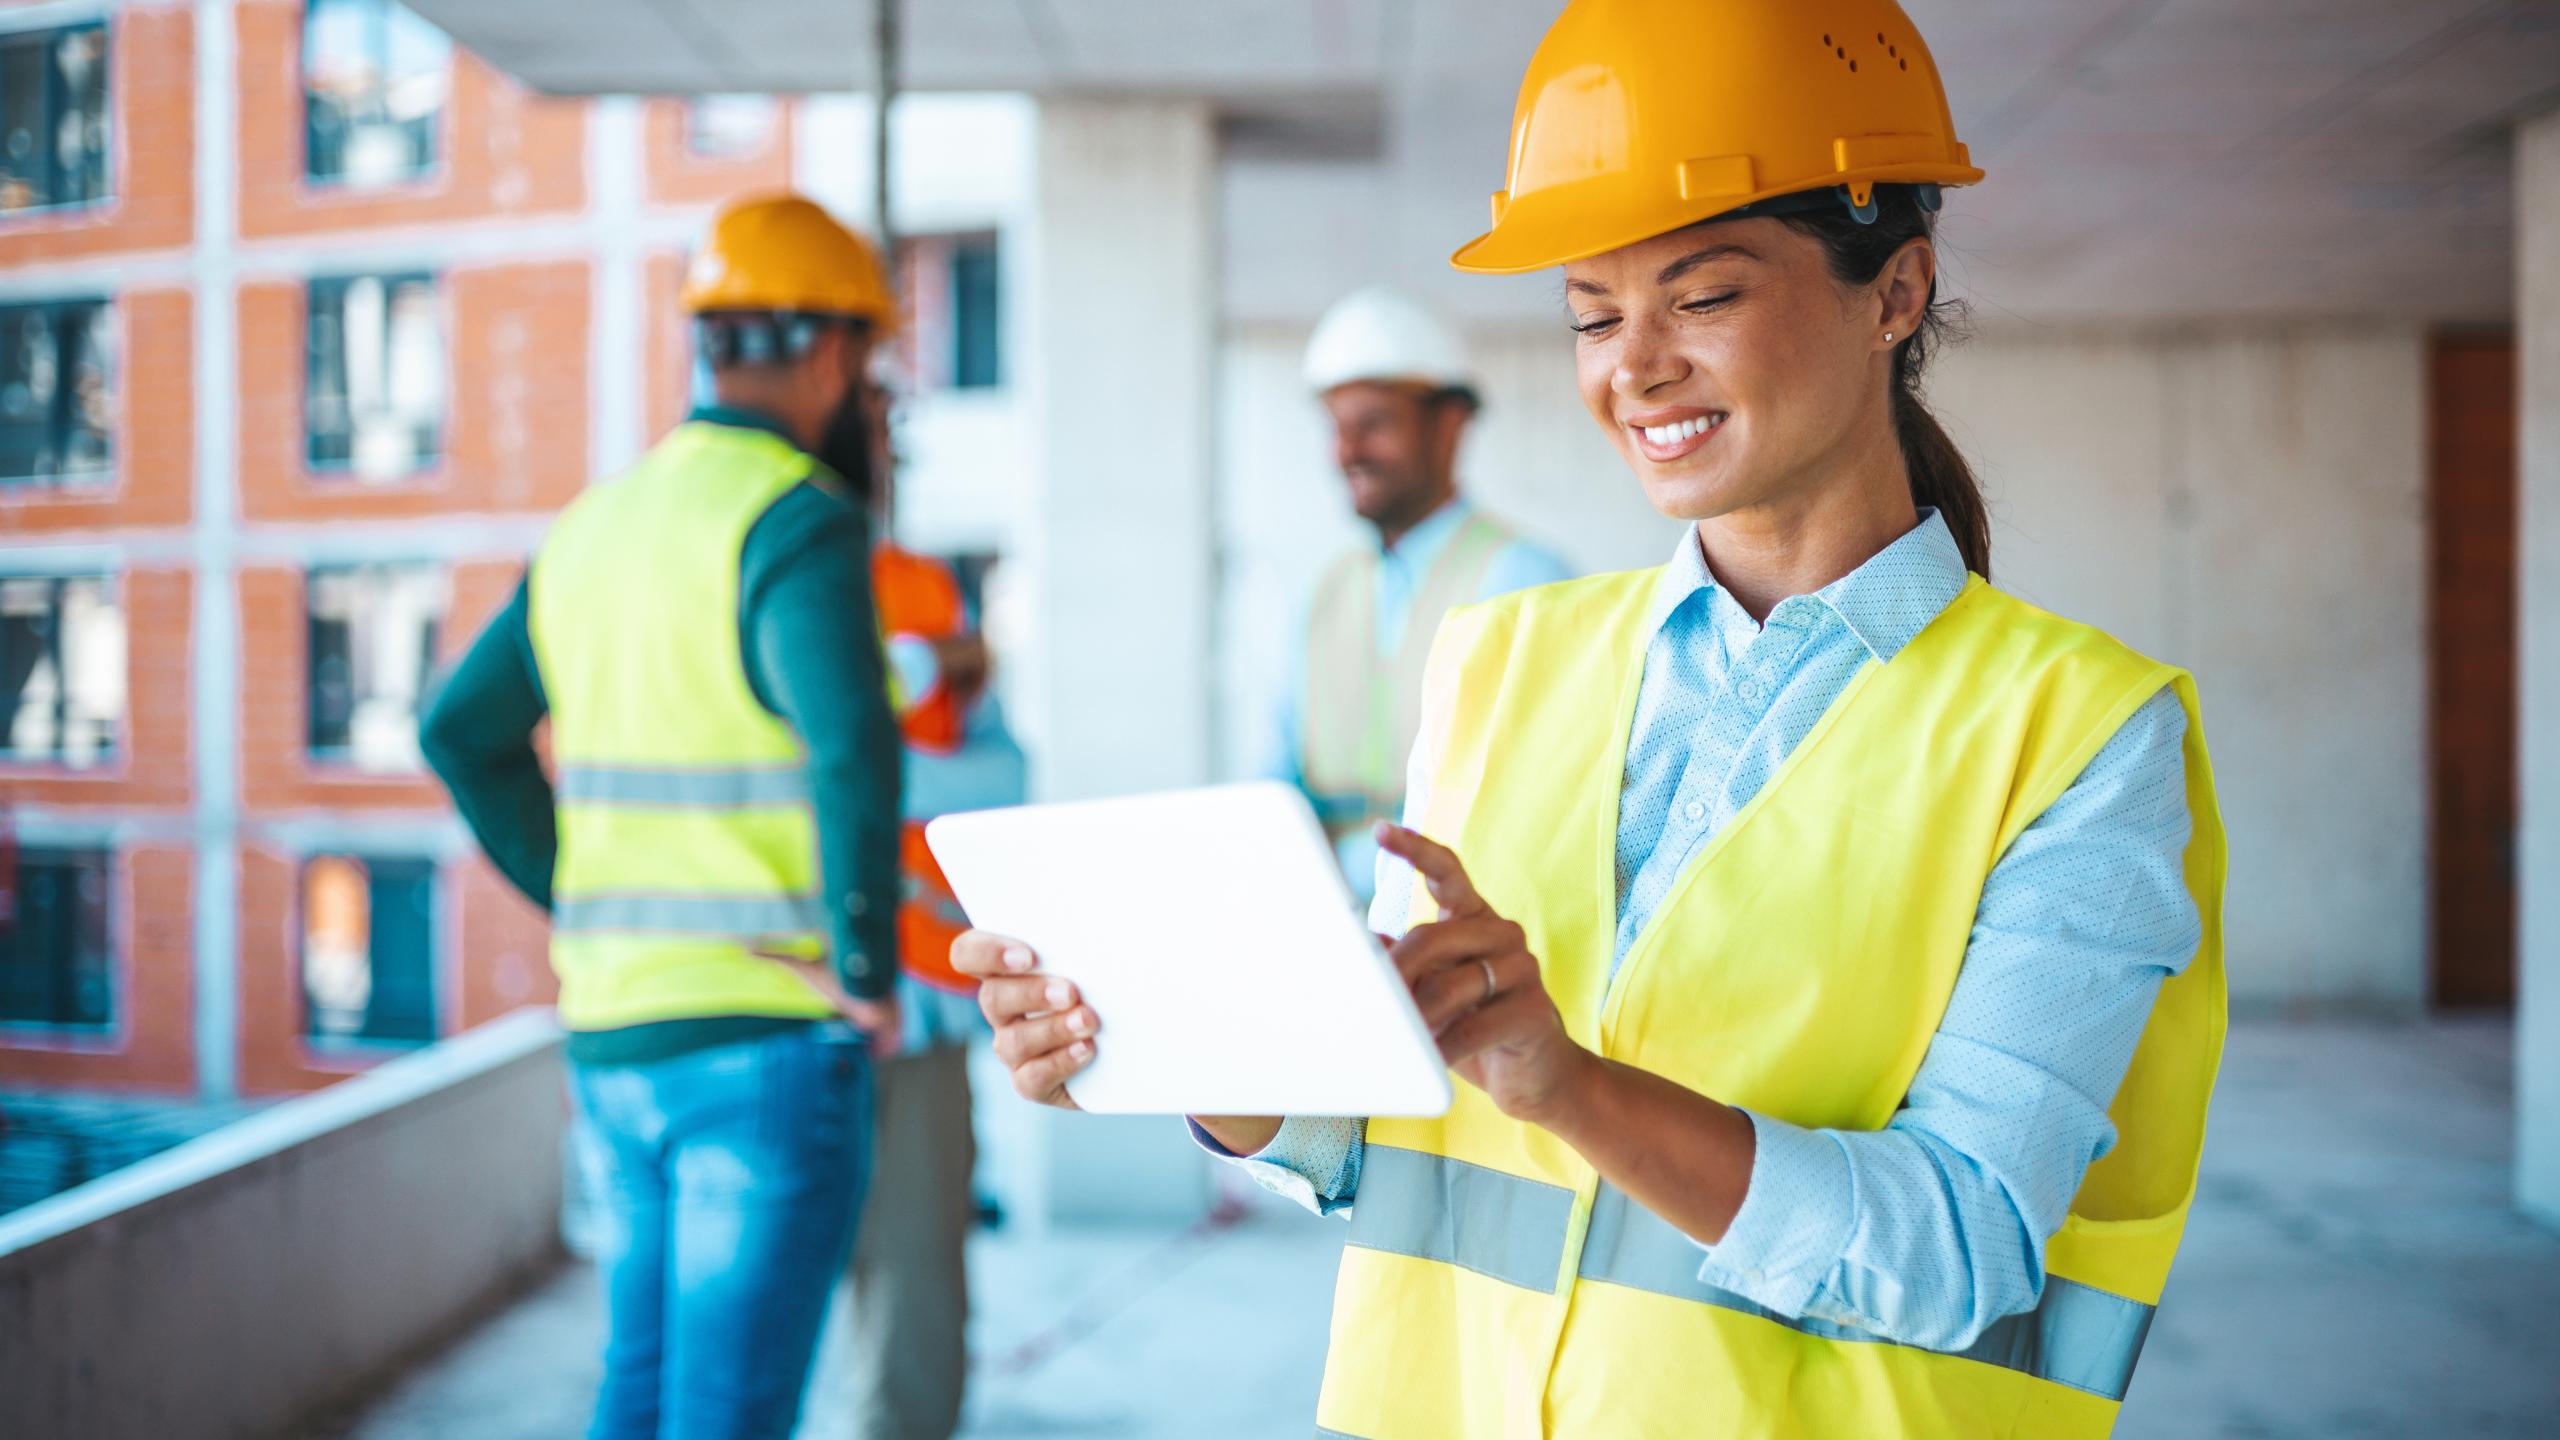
(1640, 116)
(781, 252)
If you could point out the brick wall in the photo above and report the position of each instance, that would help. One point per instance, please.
(151, 90)
(155, 438)
(152, 1045)
(503, 151)
(678, 176)
(515, 428)
(491, 946)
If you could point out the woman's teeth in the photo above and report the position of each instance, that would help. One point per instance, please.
(1679, 430)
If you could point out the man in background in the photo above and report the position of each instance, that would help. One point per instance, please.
(907, 1359)
(1395, 383)
(719, 855)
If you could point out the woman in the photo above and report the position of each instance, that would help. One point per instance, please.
(1791, 911)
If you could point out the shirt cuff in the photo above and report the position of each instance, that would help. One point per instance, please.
(1288, 1165)
(916, 663)
(1794, 1223)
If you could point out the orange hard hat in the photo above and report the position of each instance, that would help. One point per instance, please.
(1640, 116)
(783, 252)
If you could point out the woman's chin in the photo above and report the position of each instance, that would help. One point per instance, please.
(1687, 495)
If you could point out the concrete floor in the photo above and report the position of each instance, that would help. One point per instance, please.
(2353, 1269)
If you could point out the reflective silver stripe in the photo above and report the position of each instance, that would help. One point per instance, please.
(1435, 1208)
(732, 916)
(684, 787)
(2078, 1336)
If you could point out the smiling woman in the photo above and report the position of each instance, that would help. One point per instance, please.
(1830, 943)
(1799, 308)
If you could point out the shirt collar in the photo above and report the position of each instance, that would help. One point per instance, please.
(1417, 547)
(1885, 602)
(741, 418)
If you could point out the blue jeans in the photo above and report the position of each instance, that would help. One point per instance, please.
(727, 1181)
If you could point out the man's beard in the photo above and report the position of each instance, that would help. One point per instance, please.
(846, 446)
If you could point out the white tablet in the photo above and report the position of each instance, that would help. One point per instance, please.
(1212, 933)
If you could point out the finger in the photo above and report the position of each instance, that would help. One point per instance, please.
(1045, 1079)
(1026, 1040)
(1006, 1000)
(1438, 865)
(1446, 996)
(1516, 1015)
(1444, 943)
(982, 954)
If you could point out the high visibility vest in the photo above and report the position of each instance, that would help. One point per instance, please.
(1364, 705)
(686, 835)
(919, 596)
(1495, 1286)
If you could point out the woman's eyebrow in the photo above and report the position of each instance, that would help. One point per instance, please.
(1676, 269)
(1696, 258)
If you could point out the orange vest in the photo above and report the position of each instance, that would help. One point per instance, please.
(919, 596)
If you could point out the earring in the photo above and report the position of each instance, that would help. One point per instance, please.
(1888, 337)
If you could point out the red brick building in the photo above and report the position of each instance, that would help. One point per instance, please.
(308, 321)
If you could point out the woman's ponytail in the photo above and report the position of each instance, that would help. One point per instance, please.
(1940, 477)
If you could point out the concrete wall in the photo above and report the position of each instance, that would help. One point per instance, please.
(233, 1285)
(2250, 505)
(2245, 502)
(2538, 878)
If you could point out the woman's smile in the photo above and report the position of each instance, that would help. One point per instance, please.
(1665, 435)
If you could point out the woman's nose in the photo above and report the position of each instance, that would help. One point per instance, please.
(1647, 360)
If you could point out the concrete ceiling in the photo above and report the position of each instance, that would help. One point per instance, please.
(2148, 158)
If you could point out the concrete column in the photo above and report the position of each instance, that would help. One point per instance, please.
(2538, 869)
(1115, 544)
(1118, 535)
(214, 648)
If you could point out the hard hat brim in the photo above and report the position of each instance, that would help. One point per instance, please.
(1544, 231)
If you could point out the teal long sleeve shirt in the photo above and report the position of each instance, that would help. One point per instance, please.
(809, 636)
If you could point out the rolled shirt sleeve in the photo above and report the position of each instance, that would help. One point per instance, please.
(1927, 1231)
(1314, 1160)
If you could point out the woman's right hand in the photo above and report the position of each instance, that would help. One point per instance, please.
(1044, 1031)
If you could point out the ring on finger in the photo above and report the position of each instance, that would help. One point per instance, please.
(1490, 984)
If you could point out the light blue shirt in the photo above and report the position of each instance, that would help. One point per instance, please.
(1402, 569)
(1930, 1229)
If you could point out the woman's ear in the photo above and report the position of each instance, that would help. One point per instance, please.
(1904, 287)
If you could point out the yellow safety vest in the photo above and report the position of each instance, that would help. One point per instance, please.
(686, 835)
(1496, 1287)
(1363, 706)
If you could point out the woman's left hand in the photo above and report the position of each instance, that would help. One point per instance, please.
(1480, 990)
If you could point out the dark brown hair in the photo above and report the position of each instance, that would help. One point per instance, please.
(1940, 478)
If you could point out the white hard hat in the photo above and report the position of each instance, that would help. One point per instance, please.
(1378, 334)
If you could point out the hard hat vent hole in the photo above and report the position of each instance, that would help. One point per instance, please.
(1906, 64)
(1853, 67)
(1879, 37)
(1840, 53)
(1826, 40)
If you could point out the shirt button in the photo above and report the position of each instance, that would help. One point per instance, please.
(1697, 811)
(1749, 690)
